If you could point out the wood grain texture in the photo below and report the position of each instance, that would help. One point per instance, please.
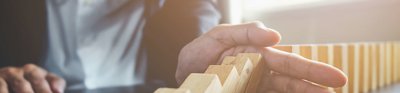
(305, 51)
(353, 68)
(381, 65)
(227, 74)
(257, 73)
(202, 83)
(171, 90)
(323, 54)
(244, 67)
(388, 62)
(375, 59)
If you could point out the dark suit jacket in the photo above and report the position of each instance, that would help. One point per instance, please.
(23, 32)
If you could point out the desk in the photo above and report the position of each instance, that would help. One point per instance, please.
(121, 89)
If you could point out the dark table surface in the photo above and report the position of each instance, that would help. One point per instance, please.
(395, 88)
(121, 89)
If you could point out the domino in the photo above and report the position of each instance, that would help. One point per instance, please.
(202, 83)
(227, 74)
(171, 90)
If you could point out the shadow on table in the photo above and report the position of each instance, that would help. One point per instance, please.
(122, 89)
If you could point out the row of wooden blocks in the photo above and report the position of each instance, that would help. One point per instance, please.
(240, 74)
(369, 66)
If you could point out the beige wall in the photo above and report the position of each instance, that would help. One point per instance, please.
(331, 22)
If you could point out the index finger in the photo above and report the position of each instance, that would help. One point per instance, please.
(302, 68)
(253, 33)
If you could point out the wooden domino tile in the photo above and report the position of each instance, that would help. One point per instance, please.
(364, 64)
(337, 59)
(256, 75)
(323, 53)
(228, 60)
(245, 68)
(171, 90)
(388, 63)
(374, 65)
(227, 74)
(352, 66)
(393, 63)
(202, 83)
(397, 56)
(345, 66)
(396, 59)
(381, 65)
(305, 51)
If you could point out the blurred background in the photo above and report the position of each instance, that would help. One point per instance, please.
(320, 21)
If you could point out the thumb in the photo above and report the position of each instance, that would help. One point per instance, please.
(56, 83)
(253, 33)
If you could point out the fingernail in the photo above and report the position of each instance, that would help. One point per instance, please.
(58, 89)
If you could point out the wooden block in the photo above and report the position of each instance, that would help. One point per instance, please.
(257, 73)
(381, 64)
(314, 52)
(345, 66)
(228, 60)
(202, 83)
(245, 68)
(396, 61)
(388, 64)
(396, 58)
(296, 49)
(284, 48)
(364, 67)
(305, 51)
(323, 53)
(354, 65)
(393, 62)
(227, 74)
(375, 59)
(171, 90)
(331, 55)
(242, 64)
(255, 58)
(337, 59)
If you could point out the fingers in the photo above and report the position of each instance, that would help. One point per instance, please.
(36, 76)
(302, 68)
(29, 79)
(286, 84)
(254, 33)
(3, 86)
(57, 84)
(15, 78)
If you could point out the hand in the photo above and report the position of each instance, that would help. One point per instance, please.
(229, 40)
(29, 79)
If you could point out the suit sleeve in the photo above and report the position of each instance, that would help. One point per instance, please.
(176, 23)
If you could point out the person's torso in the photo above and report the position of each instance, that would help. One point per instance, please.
(95, 43)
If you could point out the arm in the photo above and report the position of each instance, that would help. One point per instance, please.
(177, 23)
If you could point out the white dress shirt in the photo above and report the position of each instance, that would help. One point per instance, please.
(95, 43)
